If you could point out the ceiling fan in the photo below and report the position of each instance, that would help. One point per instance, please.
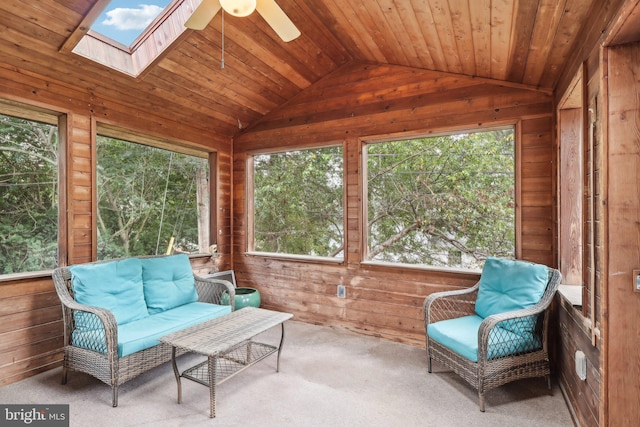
(270, 11)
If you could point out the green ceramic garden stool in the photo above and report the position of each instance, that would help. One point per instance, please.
(245, 297)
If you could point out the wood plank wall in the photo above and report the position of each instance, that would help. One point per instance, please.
(587, 398)
(575, 330)
(622, 367)
(363, 101)
(610, 395)
(30, 328)
(584, 396)
(30, 314)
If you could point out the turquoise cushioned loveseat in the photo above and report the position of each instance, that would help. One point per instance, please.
(115, 312)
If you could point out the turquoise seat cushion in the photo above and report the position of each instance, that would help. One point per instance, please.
(115, 286)
(461, 336)
(168, 282)
(507, 285)
(145, 333)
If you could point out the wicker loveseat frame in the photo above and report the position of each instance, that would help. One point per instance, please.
(105, 364)
(493, 368)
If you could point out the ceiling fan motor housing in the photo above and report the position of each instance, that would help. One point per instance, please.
(238, 8)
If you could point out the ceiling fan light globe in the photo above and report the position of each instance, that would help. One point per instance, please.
(238, 8)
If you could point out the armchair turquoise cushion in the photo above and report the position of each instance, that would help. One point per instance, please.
(115, 286)
(508, 285)
(168, 282)
(461, 336)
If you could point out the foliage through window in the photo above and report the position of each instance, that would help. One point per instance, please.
(28, 195)
(298, 202)
(442, 201)
(150, 200)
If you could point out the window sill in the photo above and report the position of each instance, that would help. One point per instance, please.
(422, 267)
(571, 293)
(571, 296)
(299, 258)
(12, 277)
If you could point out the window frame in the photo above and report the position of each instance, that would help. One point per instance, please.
(60, 120)
(250, 202)
(136, 137)
(582, 118)
(428, 133)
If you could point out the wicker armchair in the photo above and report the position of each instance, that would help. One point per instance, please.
(102, 361)
(504, 352)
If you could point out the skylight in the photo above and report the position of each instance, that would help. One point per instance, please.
(129, 36)
(125, 20)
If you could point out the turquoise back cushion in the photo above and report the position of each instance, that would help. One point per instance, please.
(168, 282)
(507, 285)
(115, 286)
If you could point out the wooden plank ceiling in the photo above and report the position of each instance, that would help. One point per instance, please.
(519, 41)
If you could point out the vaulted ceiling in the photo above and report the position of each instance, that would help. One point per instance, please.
(519, 41)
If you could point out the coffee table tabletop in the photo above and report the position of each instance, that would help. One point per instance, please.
(217, 336)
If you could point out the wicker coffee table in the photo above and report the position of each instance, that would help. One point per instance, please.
(227, 343)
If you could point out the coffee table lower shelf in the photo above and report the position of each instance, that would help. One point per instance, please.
(231, 363)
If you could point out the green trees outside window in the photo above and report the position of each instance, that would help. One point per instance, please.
(443, 201)
(298, 203)
(28, 195)
(149, 200)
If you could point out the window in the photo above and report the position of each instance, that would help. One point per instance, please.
(124, 21)
(150, 200)
(28, 194)
(442, 201)
(298, 203)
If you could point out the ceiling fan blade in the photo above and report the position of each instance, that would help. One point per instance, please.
(277, 19)
(203, 14)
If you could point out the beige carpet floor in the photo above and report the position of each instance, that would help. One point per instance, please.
(328, 377)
